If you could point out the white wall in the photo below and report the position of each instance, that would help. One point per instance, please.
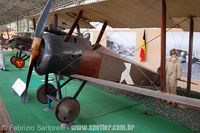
(153, 48)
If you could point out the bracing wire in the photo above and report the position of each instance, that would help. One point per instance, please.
(151, 41)
(147, 43)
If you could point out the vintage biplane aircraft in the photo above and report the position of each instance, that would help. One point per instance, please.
(23, 46)
(21, 43)
(4, 41)
(73, 56)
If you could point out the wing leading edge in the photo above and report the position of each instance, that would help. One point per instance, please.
(191, 102)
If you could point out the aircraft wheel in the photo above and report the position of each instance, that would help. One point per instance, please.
(12, 60)
(19, 63)
(67, 110)
(42, 95)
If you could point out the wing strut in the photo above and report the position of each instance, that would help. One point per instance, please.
(163, 46)
(34, 24)
(8, 34)
(190, 56)
(55, 22)
(96, 45)
(78, 17)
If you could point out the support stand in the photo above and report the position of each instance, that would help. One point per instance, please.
(23, 99)
(48, 109)
(68, 108)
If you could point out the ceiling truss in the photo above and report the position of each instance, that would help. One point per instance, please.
(14, 10)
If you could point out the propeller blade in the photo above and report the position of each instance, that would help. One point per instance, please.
(36, 43)
(42, 20)
(30, 69)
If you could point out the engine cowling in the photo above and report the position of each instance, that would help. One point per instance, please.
(57, 56)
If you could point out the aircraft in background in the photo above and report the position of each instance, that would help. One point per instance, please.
(73, 56)
(21, 43)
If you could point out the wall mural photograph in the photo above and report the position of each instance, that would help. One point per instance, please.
(122, 43)
(180, 41)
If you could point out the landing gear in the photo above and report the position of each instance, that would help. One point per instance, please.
(67, 110)
(42, 93)
(19, 63)
(12, 60)
(18, 60)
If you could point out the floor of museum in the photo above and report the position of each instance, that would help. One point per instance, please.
(97, 107)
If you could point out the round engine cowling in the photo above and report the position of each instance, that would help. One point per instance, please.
(57, 56)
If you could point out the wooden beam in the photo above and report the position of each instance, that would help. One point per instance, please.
(190, 56)
(78, 17)
(163, 46)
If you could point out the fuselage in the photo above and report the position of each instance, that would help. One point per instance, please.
(77, 57)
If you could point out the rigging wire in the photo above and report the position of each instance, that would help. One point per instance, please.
(144, 10)
(147, 43)
(148, 78)
(151, 41)
(181, 41)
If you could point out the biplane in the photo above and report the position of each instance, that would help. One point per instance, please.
(4, 41)
(74, 56)
(22, 46)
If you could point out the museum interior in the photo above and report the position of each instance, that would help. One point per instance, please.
(106, 66)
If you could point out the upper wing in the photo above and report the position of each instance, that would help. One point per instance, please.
(134, 13)
(156, 94)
